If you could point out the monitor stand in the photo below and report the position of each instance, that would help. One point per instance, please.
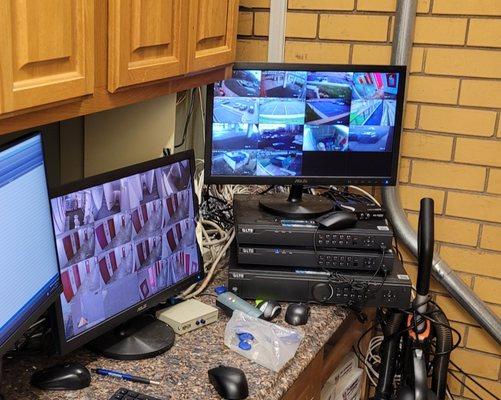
(296, 204)
(141, 337)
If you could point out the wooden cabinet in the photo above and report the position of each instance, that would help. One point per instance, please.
(60, 51)
(146, 41)
(213, 33)
(150, 40)
(46, 51)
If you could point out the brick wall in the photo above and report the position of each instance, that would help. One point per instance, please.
(451, 146)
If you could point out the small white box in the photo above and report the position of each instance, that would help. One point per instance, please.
(327, 392)
(336, 382)
(347, 365)
(349, 388)
(188, 315)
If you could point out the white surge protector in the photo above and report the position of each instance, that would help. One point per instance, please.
(188, 315)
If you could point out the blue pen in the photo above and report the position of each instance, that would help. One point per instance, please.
(125, 377)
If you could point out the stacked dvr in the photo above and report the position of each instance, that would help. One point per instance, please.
(296, 260)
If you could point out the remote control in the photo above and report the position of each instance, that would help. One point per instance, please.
(229, 302)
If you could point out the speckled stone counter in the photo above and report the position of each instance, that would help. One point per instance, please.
(182, 371)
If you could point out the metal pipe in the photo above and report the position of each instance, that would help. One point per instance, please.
(276, 36)
(401, 50)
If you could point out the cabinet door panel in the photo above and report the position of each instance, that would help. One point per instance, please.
(146, 41)
(46, 51)
(213, 33)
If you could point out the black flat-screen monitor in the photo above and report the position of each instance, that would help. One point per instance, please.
(305, 124)
(28, 260)
(126, 241)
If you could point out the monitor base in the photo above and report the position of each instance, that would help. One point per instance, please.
(296, 204)
(141, 337)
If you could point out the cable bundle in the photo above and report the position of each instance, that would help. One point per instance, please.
(215, 231)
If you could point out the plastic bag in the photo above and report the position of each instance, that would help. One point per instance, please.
(263, 342)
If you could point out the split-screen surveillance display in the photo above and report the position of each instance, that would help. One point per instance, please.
(121, 242)
(274, 123)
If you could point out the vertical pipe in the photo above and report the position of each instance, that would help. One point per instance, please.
(401, 51)
(276, 36)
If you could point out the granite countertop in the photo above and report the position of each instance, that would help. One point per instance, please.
(182, 371)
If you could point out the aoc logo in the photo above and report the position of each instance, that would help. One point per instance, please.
(300, 181)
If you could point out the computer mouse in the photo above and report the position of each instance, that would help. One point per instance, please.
(297, 314)
(229, 382)
(337, 220)
(271, 309)
(71, 376)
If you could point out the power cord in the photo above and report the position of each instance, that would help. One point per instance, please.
(473, 380)
(188, 119)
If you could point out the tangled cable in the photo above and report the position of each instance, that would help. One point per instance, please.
(215, 230)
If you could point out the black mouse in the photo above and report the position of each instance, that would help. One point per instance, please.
(71, 376)
(297, 314)
(271, 309)
(229, 382)
(337, 220)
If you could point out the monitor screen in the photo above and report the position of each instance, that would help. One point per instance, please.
(283, 123)
(123, 241)
(28, 261)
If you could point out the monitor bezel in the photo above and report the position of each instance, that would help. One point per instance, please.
(42, 306)
(68, 345)
(309, 180)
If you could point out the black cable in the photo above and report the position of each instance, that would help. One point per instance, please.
(41, 330)
(364, 288)
(217, 210)
(397, 250)
(450, 393)
(357, 350)
(360, 287)
(413, 311)
(474, 380)
(267, 189)
(360, 358)
(451, 373)
(188, 118)
(428, 315)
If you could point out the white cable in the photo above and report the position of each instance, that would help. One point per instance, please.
(208, 278)
(213, 240)
(202, 113)
(182, 98)
(372, 374)
(373, 360)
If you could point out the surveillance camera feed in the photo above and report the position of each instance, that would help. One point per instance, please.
(304, 123)
(122, 242)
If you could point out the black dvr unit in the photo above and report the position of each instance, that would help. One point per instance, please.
(309, 258)
(306, 285)
(254, 226)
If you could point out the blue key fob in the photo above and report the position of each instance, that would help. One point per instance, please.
(244, 345)
(245, 336)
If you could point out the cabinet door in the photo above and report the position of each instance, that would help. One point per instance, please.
(46, 51)
(147, 41)
(213, 33)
